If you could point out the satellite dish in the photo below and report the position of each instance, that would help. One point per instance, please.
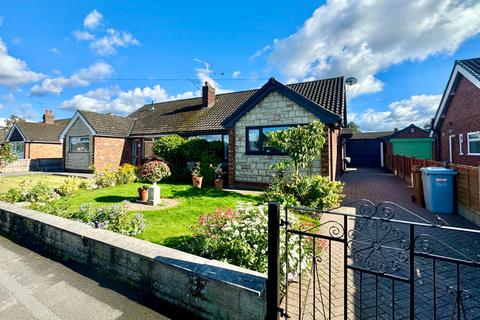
(351, 81)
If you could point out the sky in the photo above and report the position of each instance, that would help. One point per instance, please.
(115, 56)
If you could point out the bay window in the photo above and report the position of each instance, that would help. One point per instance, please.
(18, 149)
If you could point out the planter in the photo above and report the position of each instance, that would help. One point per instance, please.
(143, 194)
(197, 181)
(153, 195)
(219, 184)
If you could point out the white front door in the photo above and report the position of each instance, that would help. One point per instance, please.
(451, 145)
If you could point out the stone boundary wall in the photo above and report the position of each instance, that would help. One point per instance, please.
(27, 165)
(205, 288)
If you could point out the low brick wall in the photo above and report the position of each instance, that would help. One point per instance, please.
(206, 288)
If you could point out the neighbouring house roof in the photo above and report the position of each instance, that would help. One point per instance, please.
(63, 122)
(423, 132)
(108, 124)
(371, 135)
(469, 69)
(38, 132)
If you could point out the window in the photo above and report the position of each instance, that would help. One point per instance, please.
(460, 143)
(217, 137)
(473, 140)
(79, 144)
(18, 149)
(257, 140)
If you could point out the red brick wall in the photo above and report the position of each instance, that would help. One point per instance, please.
(111, 152)
(231, 156)
(463, 116)
(407, 134)
(43, 150)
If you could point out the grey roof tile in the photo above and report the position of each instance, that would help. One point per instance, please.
(108, 124)
(40, 132)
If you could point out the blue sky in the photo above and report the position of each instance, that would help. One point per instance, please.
(114, 56)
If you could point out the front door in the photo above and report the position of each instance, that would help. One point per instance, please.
(134, 152)
(451, 146)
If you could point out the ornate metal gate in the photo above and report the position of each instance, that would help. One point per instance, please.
(377, 261)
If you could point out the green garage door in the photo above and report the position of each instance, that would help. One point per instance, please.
(420, 148)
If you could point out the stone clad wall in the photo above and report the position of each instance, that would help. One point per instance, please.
(274, 109)
(206, 288)
(78, 160)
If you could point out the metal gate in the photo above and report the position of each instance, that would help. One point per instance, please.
(370, 261)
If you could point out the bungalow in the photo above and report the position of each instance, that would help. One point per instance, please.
(240, 120)
(32, 140)
(456, 126)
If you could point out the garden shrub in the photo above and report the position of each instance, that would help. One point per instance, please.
(6, 155)
(177, 151)
(115, 218)
(88, 184)
(13, 195)
(154, 171)
(69, 187)
(318, 192)
(105, 178)
(126, 174)
(239, 237)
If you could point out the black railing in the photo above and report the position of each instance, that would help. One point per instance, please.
(380, 261)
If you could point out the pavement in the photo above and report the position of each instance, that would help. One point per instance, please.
(35, 287)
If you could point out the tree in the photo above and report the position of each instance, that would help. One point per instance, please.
(353, 127)
(6, 156)
(303, 144)
(13, 118)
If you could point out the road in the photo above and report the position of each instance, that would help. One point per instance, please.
(35, 287)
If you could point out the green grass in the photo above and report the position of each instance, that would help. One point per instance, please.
(7, 183)
(165, 226)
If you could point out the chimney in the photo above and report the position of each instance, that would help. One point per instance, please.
(48, 117)
(208, 95)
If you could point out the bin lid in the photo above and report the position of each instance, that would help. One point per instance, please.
(438, 170)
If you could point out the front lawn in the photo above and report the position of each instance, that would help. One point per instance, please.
(9, 182)
(165, 226)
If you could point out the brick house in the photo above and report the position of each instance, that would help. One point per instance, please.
(456, 126)
(411, 141)
(32, 140)
(239, 119)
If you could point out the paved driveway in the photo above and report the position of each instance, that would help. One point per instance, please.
(34, 287)
(382, 246)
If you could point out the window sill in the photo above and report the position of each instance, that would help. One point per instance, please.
(473, 154)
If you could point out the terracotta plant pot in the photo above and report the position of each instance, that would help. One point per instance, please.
(197, 182)
(219, 184)
(143, 194)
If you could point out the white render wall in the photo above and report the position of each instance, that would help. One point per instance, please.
(274, 109)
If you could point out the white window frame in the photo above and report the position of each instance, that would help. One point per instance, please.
(472, 140)
(13, 147)
(460, 144)
(78, 137)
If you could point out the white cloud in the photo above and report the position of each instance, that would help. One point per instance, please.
(83, 35)
(26, 111)
(115, 100)
(362, 38)
(236, 74)
(108, 44)
(80, 78)
(259, 53)
(14, 71)
(93, 19)
(2, 106)
(418, 110)
(17, 40)
(9, 97)
(54, 50)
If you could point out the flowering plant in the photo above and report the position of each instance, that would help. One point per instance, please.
(239, 237)
(154, 171)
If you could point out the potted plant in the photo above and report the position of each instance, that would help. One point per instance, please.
(219, 177)
(154, 171)
(196, 176)
(143, 193)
